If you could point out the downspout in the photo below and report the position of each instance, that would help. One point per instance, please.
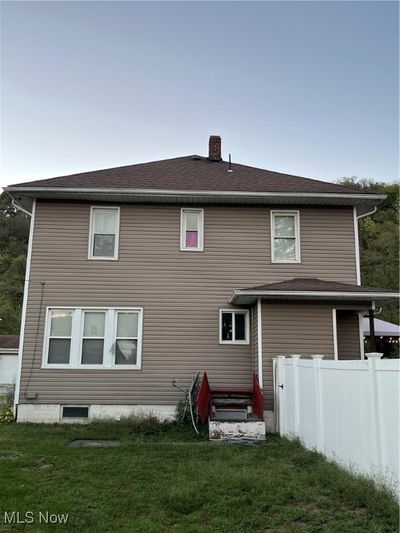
(356, 246)
(19, 208)
(24, 303)
(259, 343)
(358, 266)
(335, 339)
(367, 214)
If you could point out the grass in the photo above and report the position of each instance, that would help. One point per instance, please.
(175, 480)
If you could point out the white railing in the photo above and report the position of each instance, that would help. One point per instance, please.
(347, 410)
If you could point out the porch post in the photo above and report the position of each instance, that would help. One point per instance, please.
(259, 343)
(372, 342)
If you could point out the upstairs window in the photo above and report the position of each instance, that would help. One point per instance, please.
(104, 230)
(192, 222)
(285, 237)
(233, 327)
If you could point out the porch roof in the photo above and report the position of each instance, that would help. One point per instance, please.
(313, 289)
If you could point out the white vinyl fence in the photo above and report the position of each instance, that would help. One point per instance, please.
(347, 410)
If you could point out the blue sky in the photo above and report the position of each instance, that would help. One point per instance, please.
(308, 88)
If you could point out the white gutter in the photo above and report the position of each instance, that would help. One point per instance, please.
(316, 294)
(24, 306)
(174, 192)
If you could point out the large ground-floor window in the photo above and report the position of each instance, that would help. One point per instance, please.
(93, 337)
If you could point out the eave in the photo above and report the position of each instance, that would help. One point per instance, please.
(364, 203)
(247, 297)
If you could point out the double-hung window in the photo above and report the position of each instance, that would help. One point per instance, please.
(59, 336)
(126, 340)
(104, 233)
(90, 338)
(285, 237)
(192, 230)
(234, 326)
(92, 352)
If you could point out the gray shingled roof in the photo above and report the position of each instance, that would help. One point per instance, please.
(315, 284)
(190, 173)
(312, 288)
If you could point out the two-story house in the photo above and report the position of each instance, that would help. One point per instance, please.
(142, 274)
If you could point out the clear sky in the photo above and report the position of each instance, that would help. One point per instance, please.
(308, 88)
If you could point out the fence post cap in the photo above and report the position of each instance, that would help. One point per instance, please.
(281, 357)
(295, 356)
(317, 356)
(373, 355)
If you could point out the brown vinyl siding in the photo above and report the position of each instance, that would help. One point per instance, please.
(348, 335)
(181, 292)
(294, 328)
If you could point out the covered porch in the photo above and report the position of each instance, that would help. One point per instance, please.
(307, 316)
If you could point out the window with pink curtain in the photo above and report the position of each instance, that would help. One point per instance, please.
(191, 230)
(192, 239)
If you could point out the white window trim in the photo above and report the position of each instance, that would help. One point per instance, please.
(81, 336)
(91, 235)
(200, 247)
(49, 336)
(247, 326)
(296, 215)
(76, 339)
(139, 340)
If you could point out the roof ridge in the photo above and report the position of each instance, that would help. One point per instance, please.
(297, 176)
(107, 169)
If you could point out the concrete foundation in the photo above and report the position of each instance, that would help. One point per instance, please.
(223, 429)
(52, 413)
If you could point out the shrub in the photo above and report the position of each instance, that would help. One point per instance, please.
(6, 407)
(146, 424)
(6, 415)
(182, 413)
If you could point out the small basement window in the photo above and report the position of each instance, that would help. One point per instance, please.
(75, 411)
(234, 327)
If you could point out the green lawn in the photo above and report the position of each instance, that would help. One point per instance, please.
(177, 481)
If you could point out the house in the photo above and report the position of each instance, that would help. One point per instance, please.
(142, 274)
(8, 362)
(386, 337)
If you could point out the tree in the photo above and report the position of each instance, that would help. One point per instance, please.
(14, 233)
(379, 241)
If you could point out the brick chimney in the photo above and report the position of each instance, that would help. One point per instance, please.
(214, 148)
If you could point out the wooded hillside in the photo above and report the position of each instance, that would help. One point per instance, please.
(379, 242)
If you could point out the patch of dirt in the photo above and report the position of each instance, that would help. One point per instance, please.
(11, 456)
(95, 443)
